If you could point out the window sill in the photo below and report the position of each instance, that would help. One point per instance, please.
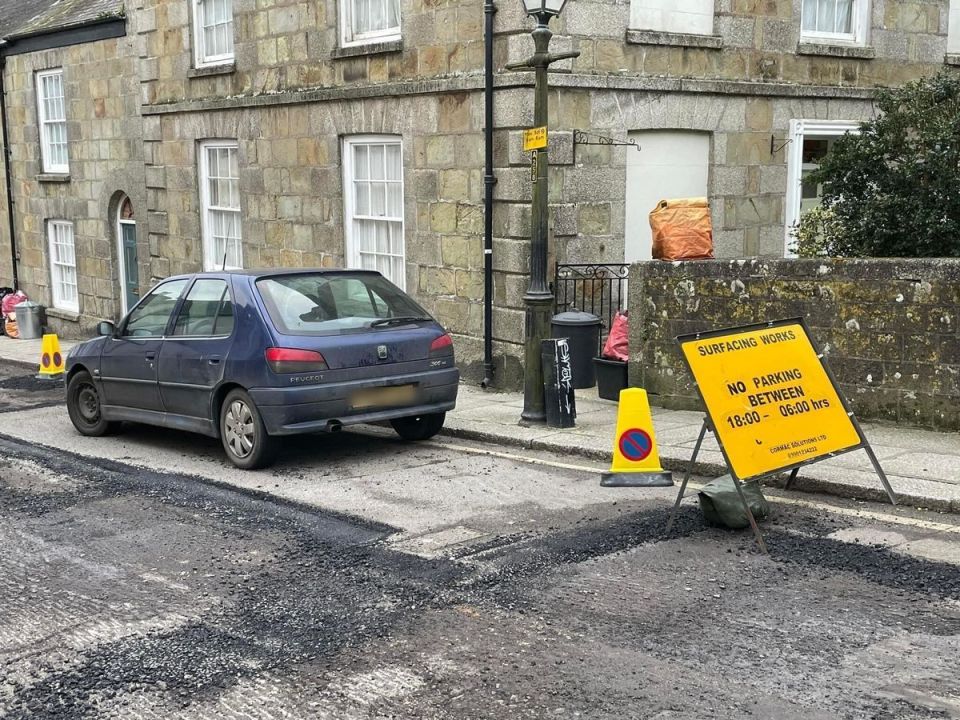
(655, 37)
(53, 177)
(374, 48)
(951, 59)
(863, 52)
(61, 314)
(208, 70)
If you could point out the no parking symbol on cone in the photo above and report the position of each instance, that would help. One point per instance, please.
(636, 462)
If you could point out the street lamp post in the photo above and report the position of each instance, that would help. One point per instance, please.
(538, 299)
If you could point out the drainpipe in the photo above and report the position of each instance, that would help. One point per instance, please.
(6, 170)
(489, 180)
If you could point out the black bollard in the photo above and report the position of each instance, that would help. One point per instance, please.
(558, 395)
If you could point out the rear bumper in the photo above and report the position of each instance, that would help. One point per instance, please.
(316, 408)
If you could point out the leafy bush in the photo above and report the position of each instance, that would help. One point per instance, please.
(894, 189)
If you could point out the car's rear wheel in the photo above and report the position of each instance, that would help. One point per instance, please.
(243, 433)
(84, 407)
(419, 427)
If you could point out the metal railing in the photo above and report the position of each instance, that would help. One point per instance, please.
(600, 289)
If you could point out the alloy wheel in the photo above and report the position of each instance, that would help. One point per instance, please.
(239, 429)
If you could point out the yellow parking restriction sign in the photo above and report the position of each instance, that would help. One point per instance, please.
(535, 138)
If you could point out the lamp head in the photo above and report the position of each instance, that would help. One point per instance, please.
(543, 8)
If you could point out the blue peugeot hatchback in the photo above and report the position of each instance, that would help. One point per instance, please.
(250, 356)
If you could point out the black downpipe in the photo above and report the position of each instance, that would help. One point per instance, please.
(6, 172)
(489, 180)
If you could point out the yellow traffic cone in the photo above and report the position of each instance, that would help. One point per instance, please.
(636, 462)
(51, 360)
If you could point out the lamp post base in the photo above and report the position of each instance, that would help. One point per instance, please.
(537, 323)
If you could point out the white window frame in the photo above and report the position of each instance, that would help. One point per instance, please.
(45, 123)
(210, 262)
(200, 57)
(953, 28)
(57, 280)
(798, 130)
(353, 252)
(349, 39)
(859, 24)
(688, 17)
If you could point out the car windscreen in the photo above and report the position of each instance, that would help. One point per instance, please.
(334, 304)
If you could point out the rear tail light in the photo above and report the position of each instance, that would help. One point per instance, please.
(443, 345)
(291, 360)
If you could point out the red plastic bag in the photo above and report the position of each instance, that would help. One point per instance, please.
(10, 301)
(615, 348)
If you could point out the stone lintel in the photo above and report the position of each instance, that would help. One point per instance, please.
(656, 37)
(863, 52)
(53, 177)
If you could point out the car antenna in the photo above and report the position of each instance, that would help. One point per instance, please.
(223, 267)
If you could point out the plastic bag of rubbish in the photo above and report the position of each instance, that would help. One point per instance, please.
(682, 229)
(721, 505)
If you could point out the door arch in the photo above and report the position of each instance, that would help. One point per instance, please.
(129, 270)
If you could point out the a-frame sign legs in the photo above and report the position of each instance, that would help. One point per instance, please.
(736, 483)
(750, 517)
(793, 476)
(880, 472)
(686, 475)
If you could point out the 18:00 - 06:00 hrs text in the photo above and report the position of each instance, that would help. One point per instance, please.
(787, 410)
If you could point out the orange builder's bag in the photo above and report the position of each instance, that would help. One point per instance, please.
(682, 229)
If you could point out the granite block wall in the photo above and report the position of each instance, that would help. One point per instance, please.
(887, 328)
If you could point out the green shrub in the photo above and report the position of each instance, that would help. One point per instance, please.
(894, 189)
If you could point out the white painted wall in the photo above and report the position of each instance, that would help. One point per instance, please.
(677, 16)
(670, 164)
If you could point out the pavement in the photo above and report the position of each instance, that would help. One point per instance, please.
(923, 466)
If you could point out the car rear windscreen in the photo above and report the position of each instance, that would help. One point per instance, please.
(333, 303)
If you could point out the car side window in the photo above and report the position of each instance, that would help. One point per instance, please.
(207, 310)
(150, 317)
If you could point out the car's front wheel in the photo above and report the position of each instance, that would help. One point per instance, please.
(84, 407)
(419, 427)
(243, 433)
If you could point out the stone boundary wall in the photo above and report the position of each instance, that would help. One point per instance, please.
(887, 327)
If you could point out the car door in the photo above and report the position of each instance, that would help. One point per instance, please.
(128, 362)
(193, 356)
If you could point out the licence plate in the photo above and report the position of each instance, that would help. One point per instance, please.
(384, 396)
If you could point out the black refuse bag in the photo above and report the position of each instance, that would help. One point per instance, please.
(721, 505)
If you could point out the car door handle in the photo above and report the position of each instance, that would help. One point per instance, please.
(150, 356)
(214, 360)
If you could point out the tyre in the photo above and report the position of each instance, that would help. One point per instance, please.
(243, 434)
(419, 427)
(84, 407)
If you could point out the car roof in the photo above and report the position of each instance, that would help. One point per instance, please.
(272, 272)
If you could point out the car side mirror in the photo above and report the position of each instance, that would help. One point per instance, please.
(106, 328)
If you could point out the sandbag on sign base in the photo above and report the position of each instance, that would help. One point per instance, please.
(721, 505)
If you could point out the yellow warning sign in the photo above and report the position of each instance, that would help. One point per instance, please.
(770, 399)
(535, 138)
(636, 461)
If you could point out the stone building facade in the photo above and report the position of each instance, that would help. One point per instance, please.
(70, 81)
(338, 144)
